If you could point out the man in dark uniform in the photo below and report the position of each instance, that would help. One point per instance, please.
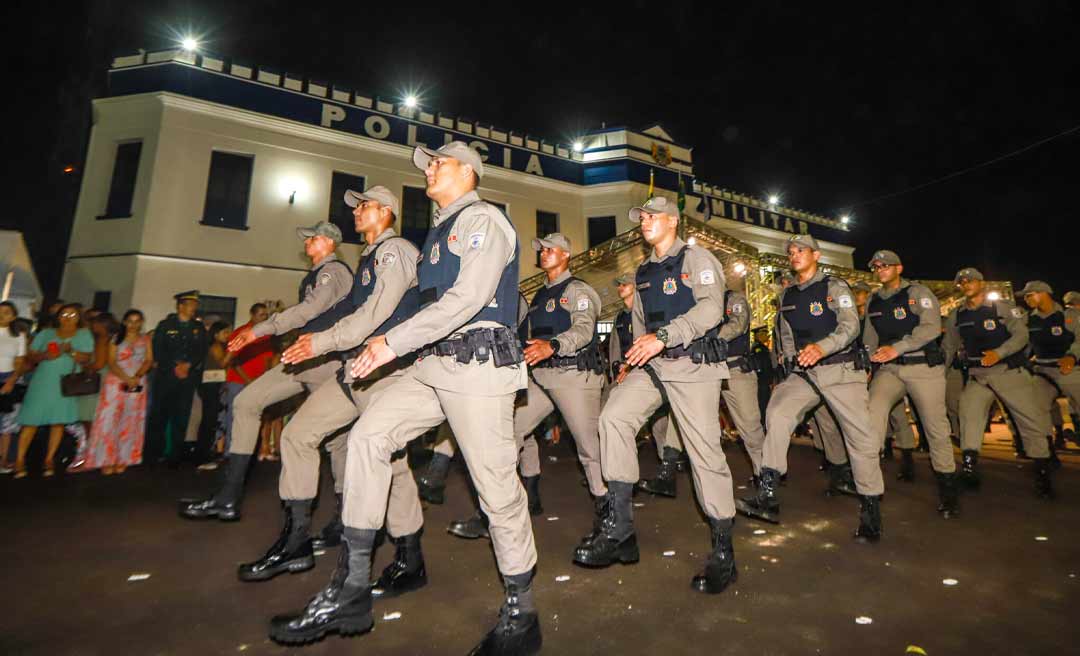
(764, 365)
(1055, 349)
(179, 351)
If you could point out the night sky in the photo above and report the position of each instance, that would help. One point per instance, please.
(831, 110)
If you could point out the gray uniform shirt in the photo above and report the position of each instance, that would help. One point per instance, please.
(705, 276)
(1015, 322)
(1072, 324)
(841, 301)
(395, 274)
(738, 314)
(923, 304)
(333, 284)
(583, 304)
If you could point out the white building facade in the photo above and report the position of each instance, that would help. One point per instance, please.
(199, 170)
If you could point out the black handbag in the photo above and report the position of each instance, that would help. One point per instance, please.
(80, 383)
(9, 401)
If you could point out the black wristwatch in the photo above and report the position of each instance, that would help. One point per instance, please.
(662, 335)
(554, 346)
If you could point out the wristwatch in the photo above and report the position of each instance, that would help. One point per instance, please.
(661, 334)
(554, 343)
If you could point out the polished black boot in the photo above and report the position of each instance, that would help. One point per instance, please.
(330, 535)
(225, 505)
(344, 606)
(969, 470)
(948, 495)
(532, 491)
(682, 462)
(290, 553)
(473, 528)
(841, 481)
(907, 466)
(517, 632)
(406, 573)
(664, 483)
(616, 542)
(869, 519)
(1055, 464)
(720, 569)
(600, 510)
(432, 482)
(764, 504)
(1043, 488)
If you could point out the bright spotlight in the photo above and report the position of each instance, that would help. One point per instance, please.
(774, 200)
(691, 241)
(845, 219)
(411, 102)
(189, 44)
(740, 268)
(993, 296)
(578, 146)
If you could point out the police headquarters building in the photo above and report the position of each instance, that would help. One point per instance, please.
(200, 169)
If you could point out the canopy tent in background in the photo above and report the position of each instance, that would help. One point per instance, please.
(18, 283)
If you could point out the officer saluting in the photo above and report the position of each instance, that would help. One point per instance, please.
(468, 373)
(1055, 347)
(994, 336)
(903, 322)
(816, 329)
(179, 350)
(324, 299)
(677, 354)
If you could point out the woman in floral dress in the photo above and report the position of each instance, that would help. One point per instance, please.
(116, 437)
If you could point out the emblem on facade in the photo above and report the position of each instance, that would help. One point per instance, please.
(990, 324)
(1055, 331)
(550, 305)
(816, 309)
(661, 154)
(900, 313)
(365, 277)
(434, 258)
(669, 286)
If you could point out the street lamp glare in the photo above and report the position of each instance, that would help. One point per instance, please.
(774, 199)
(578, 146)
(845, 219)
(410, 101)
(189, 44)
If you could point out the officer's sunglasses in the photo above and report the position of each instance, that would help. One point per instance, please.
(878, 266)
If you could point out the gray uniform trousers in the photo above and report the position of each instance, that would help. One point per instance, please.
(954, 387)
(1016, 390)
(741, 396)
(845, 391)
(828, 437)
(483, 426)
(1069, 386)
(694, 406)
(925, 385)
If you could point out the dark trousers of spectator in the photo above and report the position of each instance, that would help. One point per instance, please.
(169, 415)
(210, 395)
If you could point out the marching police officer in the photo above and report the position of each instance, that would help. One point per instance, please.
(1055, 348)
(994, 335)
(740, 390)
(324, 299)
(469, 369)
(677, 354)
(903, 322)
(765, 366)
(621, 337)
(817, 330)
(179, 351)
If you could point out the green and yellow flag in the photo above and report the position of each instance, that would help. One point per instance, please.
(651, 187)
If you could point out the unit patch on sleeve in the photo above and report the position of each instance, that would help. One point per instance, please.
(845, 302)
(708, 277)
(476, 240)
(583, 303)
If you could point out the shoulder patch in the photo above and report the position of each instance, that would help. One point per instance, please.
(845, 301)
(736, 308)
(324, 278)
(388, 259)
(708, 277)
(926, 302)
(583, 303)
(476, 240)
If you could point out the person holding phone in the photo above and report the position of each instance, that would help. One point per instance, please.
(116, 437)
(56, 352)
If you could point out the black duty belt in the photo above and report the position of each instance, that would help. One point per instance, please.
(555, 361)
(481, 344)
(741, 363)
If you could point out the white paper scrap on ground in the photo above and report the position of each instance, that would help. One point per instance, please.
(669, 553)
(760, 531)
(553, 519)
(1041, 538)
(863, 619)
(396, 615)
(639, 505)
(949, 581)
(138, 576)
(562, 578)
(319, 552)
(553, 459)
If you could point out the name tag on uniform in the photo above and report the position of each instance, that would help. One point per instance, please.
(644, 285)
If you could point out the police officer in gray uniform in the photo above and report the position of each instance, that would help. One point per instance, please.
(677, 354)
(994, 336)
(324, 299)
(740, 390)
(903, 322)
(1055, 349)
(817, 327)
(468, 371)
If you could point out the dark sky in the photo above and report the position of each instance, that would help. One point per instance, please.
(830, 108)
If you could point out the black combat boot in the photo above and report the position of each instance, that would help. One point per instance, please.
(225, 505)
(344, 606)
(764, 504)
(869, 519)
(1071, 433)
(616, 542)
(887, 451)
(720, 569)
(406, 573)
(330, 535)
(948, 495)
(1042, 469)
(969, 470)
(1055, 464)
(517, 632)
(532, 491)
(290, 553)
(664, 483)
(432, 481)
(682, 462)
(473, 528)
(841, 481)
(600, 510)
(907, 466)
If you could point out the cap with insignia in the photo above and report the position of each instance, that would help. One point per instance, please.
(458, 150)
(321, 229)
(554, 240)
(805, 241)
(624, 279)
(655, 205)
(885, 257)
(1071, 297)
(968, 273)
(190, 295)
(379, 194)
(1035, 286)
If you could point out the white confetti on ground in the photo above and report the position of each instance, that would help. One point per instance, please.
(639, 505)
(949, 581)
(1041, 538)
(553, 519)
(319, 552)
(138, 576)
(396, 615)
(552, 459)
(740, 487)
(760, 531)
(562, 579)
(242, 648)
(863, 619)
(669, 553)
